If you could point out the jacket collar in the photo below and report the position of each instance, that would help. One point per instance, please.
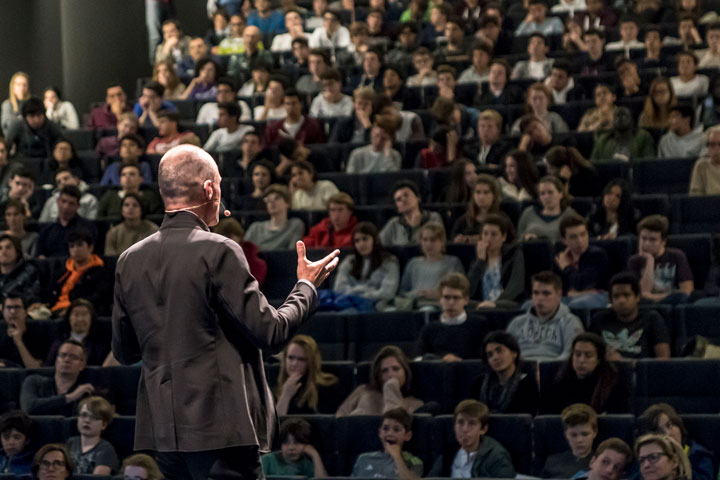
(183, 219)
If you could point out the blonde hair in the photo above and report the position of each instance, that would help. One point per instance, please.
(438, 231)
(11, 94)
(99, 407)
(671, 448)
(174, 81)
(314, 376)
(143, 461)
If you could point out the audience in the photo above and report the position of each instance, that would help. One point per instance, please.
(302, 386)
(142, 467)
(497, 278)
(62, 113)
(279, 232)
(662, 419)
(485, 201)
(505, 388)
(232, 229)
(54, 237)
(132, 150)
(34, 135)
(615, 215)
(379, 156)
(294, 125)
(91, 454)
(705, 179)
(80, 323)
(658, 104)
(671, 458)
(297, 456)
(689, 83)
(309, 193)
(16, 436)
(151, 104)
(547, 330)
(664, 273)
(59, 394)
(109, 146)
(478, 455)
(454, 337)
(168, 134)
(88, 202)
(404, 229)
(682, 139)
(18, 93)
(336, 230)
(520, 177)
(624, 142)
(230, 133)
(587, 377)
(388, 387)
(601, 116)
(543, 222)
(580, 425)
(262, 173)
(52, 462)
(15, 219)
(23, 343)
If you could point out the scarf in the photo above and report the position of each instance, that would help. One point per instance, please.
(71, 278)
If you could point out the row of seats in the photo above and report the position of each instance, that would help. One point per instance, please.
(341, 440)
(650, 381)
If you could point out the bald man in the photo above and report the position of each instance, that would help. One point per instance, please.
(254, 52)
(188, 308)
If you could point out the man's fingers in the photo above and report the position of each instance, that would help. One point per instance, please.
(301, 251)
(331, 266)
(331, 257)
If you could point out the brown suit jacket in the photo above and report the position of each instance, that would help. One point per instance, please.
(187, 306)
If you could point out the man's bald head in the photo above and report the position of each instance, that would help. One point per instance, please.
(182, 172)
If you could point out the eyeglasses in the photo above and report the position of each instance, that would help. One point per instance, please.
(652, 458)
(55, 464)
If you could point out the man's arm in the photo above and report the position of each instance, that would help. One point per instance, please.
(125, 346)
(27, 358)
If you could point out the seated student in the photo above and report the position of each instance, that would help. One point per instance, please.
(262, 174)
(17, 272)
(653, 57)
(34, 134)
(294, 125)
(664, 273)
(580, 426)
(683, 139)
(629, 32)
(88, 202)
(80, 323)
(423, 63)
(15, 220)
(357, 128)
(547, 330)
(537, 21)
(15, 436)
(537, 138)
(497, 91)
(442, 150)
(600, 117)
(229, 134)
(582, 267)
(614, 216)
(497, 278)
(331, 102)
(662, 419)
(543, 222)
(59, 394)
(671, 459)
(629, 331)
(710, 57)
(53, 239)
(63, 155)
(232, 229)
(455, 49)
(538, 66)
(562, 85)
(597, 60)
(519, 176)
(538, 99)
(168, 134)
(22, 343)
(297, 456)
(370, 272)
(630, 84)
(388, 387)
(92, 454)
(226, 93)
(609, 460)
(151, 103)
(404, 229)
(453, 338)
(133, 228)
(309, 193)
(689, 83)
(141, 467)
(52, 462)
(336, 230)
(132, 150)
(489, 149)
(279, 232)
(624, 142)
(130, 182)
(479, 71)
(85, 276)
(568, 164)
(587, 377)
(371, 74)
(506, 388)
(302, 387)
(478, 455)
(705, 179)
(379, 156)
(419, 283)
(485, 196)
(392, 461)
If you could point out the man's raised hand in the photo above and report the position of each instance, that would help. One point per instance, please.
(315, 272)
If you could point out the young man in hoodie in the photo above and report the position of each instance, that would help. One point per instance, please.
(682, 139)
(547, 330)
(336, 229)
(88, 202)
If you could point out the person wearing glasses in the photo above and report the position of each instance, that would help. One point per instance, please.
(52, 462)
(661, 458)
(59, 394)
(92, 454)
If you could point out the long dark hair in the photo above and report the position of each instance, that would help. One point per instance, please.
(377, 256)
(605, 374)
(458, 190)
(527, 173)
(626, 212)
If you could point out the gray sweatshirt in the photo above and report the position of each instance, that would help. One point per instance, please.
(382, 284)
(689, 145)
(546, 339)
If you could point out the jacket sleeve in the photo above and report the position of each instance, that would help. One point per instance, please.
(34, 404)
(239, 300)
(513, 291)
(436, 469)
(125, 346)
(499, 464)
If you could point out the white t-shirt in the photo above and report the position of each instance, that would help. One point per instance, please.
(274, 113)
(222, 141)
(320, 107)
(208, 113)
(697, 87)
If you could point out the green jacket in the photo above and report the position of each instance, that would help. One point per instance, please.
(642, 146)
